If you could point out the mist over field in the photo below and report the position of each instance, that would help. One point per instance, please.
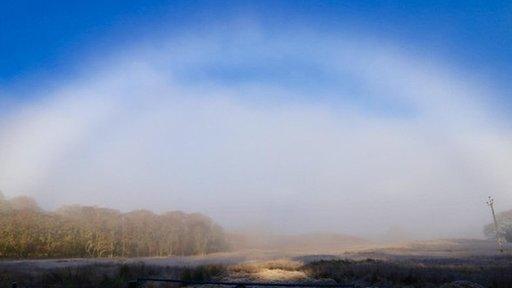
(278, 130)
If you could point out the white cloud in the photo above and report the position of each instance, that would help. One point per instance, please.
(142, 131)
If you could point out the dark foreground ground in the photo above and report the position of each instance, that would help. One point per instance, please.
(418, 264)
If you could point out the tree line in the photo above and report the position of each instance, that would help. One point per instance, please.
(27, 231)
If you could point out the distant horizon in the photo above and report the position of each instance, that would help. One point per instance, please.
(395, 234)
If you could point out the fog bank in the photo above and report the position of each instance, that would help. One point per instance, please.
(288, 133)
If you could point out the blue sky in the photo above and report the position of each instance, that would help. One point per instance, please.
(275, 114)
(53, 37)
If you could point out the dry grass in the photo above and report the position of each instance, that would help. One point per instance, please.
(420, 264)
(275, 270)
(494, 272)
(256, 266)
(104, 275)
(280, 275)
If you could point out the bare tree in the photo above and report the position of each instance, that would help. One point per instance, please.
(85, 231)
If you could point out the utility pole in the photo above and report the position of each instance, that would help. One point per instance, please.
(499, 241)
(123, 235)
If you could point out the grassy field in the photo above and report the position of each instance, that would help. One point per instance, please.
(415, 264)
